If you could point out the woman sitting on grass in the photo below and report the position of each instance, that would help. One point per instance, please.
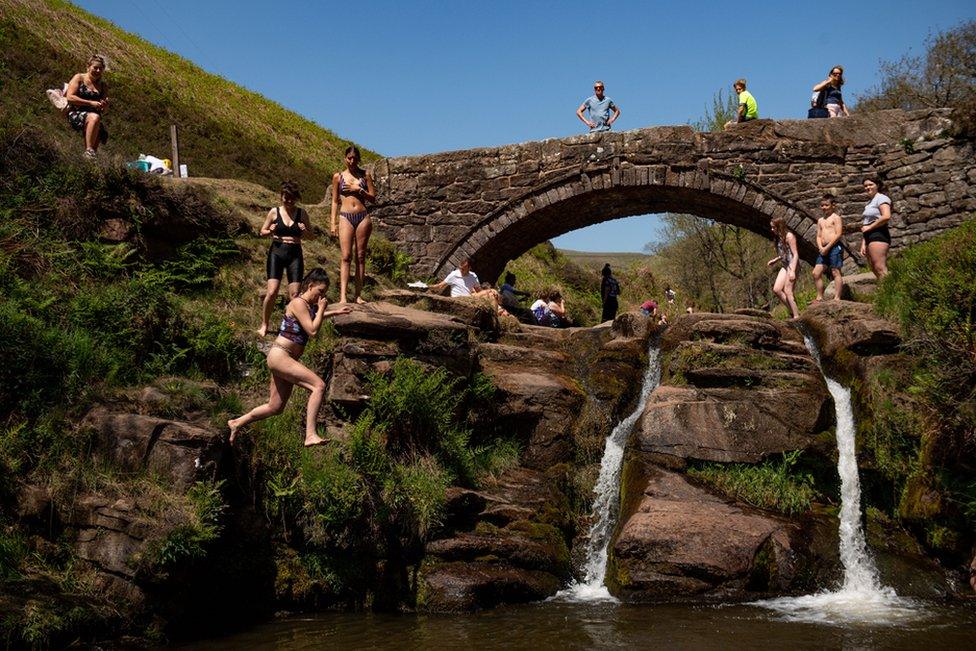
(87, 97)
(303, 317)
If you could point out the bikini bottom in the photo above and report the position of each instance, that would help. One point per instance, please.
(354, 218)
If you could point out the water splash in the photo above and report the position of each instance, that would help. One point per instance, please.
(606, 504)
(861, 597)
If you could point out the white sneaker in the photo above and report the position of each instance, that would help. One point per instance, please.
(89, 154)
(57, 98)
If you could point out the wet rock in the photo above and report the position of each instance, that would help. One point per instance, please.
(845, 325)
(679, 540)
(467, 587)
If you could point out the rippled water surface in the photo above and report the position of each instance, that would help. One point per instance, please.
(559, 625)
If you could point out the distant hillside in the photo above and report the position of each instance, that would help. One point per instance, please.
(597, 260)
(226, 130)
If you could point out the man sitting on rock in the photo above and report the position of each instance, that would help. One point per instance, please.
(464, 282)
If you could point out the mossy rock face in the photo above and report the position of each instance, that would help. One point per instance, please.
(920, 499)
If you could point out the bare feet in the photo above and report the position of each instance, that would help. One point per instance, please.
(314, 439)
(231, 424)
(360, 300)
(817, 300)
(263, 330)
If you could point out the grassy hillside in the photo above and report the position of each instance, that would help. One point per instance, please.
(226, 130)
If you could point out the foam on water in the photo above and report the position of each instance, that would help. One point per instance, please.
(606, 503)
(861, 597)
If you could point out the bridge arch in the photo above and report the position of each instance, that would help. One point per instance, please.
(607, 192)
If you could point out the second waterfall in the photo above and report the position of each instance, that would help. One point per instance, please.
(606, 503)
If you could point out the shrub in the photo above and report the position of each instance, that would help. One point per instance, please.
(769, 485)
(385, 259)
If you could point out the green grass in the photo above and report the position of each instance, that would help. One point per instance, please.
(776, 486)
(227, 131)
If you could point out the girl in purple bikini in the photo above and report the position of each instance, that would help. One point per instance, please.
(351, 189)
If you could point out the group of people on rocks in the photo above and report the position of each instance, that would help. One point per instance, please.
(85, 100)
(875, 242)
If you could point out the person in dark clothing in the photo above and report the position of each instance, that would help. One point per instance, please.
(609, 291)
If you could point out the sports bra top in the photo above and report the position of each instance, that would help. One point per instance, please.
(293, 230)
(292, 330)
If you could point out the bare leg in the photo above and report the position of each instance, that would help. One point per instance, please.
(346, 235)
(838, 283)
(93, 125)
(293, 290)
(280, 392)
(790, 300)
(783, 289)
(268, 304)
(293, 371)
(819, 281)
(878, 256)
(363, 232)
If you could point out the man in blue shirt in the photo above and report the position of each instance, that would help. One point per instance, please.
(600, 108)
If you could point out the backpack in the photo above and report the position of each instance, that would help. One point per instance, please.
(819, 108)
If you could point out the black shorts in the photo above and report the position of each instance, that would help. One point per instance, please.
(878, 235)
(284, 257)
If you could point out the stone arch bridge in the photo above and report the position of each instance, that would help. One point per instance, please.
(493, 204)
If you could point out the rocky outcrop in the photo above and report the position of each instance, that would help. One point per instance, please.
(683, 541)
(733, 388)
(848, 326)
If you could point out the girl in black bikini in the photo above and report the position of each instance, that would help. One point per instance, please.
(285, 224)
(87, 97)
(351, 189)
(303, 317)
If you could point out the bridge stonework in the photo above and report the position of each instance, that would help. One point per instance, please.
(493, 204)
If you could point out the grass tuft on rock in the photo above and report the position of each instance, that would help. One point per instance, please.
(771, 485)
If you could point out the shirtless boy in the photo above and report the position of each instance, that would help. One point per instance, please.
(829, 231)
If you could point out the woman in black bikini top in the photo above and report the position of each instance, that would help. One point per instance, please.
(285, 252)
(351, 189)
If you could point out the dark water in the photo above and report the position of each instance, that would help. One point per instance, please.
(559, 626)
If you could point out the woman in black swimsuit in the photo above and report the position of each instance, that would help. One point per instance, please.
(285, 224)
(303, 318)
(351, 189)
(87, 97)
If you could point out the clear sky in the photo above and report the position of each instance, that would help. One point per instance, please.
(416, 77)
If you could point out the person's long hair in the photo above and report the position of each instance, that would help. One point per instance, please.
(779, 227)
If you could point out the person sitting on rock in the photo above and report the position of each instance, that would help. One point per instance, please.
(303, 318)
(649, 308)
(464, 282)
(509, 295)
(87, 97)
(830, 228)
(748, 108)
(540, 309)
(557, 310)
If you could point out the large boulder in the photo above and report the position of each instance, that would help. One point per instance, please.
(678, 540)
(855, 327)
(180, 452)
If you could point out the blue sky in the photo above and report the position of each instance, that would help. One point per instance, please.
(417, 77)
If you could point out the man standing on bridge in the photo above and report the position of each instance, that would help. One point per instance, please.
(600, 108)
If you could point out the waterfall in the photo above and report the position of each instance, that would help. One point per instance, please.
(861, 597)
(606, 504)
